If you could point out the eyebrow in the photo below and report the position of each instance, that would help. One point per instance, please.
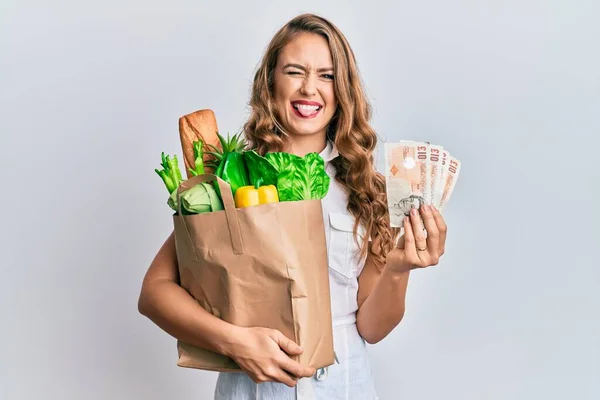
(303, 68)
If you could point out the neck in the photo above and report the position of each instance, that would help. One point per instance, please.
(302, 145)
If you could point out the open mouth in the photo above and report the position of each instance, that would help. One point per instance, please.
(305, 110)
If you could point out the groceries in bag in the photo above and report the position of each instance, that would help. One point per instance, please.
(278, 176)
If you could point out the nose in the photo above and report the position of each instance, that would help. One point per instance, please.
(309, 87)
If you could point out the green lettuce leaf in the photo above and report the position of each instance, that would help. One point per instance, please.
(318, 178)
(299, 178)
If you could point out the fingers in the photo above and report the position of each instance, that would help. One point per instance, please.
(418, 232)
(285, 363)
(273, 373)
(265, 356)
(295, 368)
(291, 348)
(287, 345)
(433, 235)
(410, 248)
(432, 245)
(442, 229)
(279, 375)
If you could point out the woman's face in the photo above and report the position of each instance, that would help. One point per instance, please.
(303, 86)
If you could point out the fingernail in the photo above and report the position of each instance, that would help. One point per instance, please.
(427, 208)
(413, 211)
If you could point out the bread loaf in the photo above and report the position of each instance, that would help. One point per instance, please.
(200, 124)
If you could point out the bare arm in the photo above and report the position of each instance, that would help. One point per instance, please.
(175, 311)
(381, 301)
(381, 295)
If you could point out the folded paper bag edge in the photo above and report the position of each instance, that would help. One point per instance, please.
(219, 362)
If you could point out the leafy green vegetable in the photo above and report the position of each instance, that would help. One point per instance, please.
(282, 160)
(198, 199)
(319, 180)
(170, 174)
(260, 171)
(290, 184)
(300, 178)
(296, 178)
(198, 158)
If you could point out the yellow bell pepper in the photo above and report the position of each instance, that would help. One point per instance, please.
(248, 196)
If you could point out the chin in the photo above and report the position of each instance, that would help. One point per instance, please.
(305, 128)
(306, 131)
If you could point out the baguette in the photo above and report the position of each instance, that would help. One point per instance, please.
(200, 124)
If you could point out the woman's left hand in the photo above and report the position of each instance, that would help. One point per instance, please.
(414, 250)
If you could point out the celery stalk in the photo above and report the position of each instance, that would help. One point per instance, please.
(171, 176)
(198, 158)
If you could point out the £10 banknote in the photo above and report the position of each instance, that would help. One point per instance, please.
(418, 173)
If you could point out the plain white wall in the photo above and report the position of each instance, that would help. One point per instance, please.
(90, 94)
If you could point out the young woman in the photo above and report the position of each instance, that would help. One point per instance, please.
(307, 96)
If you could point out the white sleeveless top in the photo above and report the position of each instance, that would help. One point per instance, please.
(344, 263)
(350, 377)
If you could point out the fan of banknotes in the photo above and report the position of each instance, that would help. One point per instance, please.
(418, 173)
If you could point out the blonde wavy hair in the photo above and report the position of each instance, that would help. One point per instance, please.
(349, 129)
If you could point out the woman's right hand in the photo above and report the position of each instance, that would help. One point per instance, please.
(264, 355)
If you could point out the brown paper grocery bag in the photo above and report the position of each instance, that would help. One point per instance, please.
(264, 266)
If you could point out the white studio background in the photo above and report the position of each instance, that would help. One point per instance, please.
(91, 93)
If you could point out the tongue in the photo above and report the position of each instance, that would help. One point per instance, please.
(305, 112)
